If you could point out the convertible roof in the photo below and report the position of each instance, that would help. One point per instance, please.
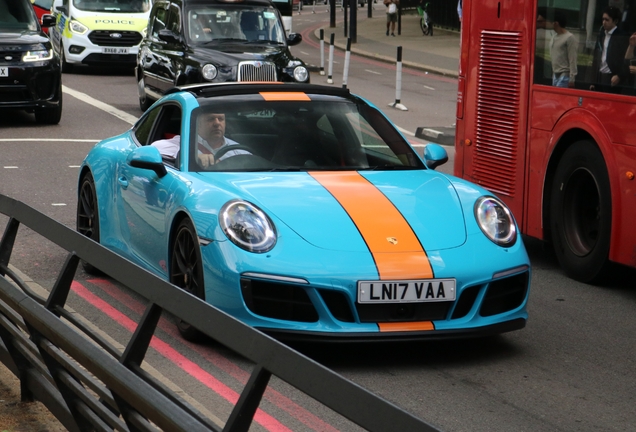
(235, 88)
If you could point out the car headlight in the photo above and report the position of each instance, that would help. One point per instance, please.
(209, 72)
(77, 27)
(39, 55)
(247, 226)
(496, 221)
(301, 74)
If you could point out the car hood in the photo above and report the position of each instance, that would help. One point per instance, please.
(232, 53)
(426, 200)
(26, 37)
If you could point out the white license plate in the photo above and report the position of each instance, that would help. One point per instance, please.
(109, 50)
(406, 291)
(4, 72)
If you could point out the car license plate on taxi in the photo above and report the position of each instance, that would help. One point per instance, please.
(110, 50)
(4, 72)
(406, 291)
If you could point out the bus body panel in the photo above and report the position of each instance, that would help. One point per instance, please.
(521, 140)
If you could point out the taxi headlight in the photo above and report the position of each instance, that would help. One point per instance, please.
(77, 27)
(247, 226)
(209, 72)
(496, 221)
(301, 74)
(39, 55)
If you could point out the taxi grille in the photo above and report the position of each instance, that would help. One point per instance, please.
(110, 38)
(256, 71)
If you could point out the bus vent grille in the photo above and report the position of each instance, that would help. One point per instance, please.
(498, 116)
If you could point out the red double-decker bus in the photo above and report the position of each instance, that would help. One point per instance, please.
(546, 120)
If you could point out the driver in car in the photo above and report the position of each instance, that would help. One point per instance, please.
(211, 140)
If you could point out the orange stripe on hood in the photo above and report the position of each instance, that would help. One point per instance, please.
(396, 249)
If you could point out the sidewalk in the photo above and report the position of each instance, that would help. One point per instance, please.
(437, 54)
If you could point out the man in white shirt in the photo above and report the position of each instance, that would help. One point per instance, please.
(210, 139)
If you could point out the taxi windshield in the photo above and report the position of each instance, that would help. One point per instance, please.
(299, 133)
(220, 23)
(115, 6)
(17, 16)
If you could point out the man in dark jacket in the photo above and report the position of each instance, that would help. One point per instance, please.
(609, 54)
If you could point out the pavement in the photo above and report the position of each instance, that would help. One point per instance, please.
(437, 54)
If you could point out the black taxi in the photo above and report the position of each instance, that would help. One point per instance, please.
(197, 41)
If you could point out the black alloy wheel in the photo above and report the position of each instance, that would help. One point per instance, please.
(581, 213)
(50, 116)
(186, 271)
(87, 220)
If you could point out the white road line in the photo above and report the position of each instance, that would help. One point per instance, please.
(404, 131)
(74, 166)
(58, 204)
(373, 72)
(11, 167)
(427, 87)
(131, 119)
(304, 53)
(49, 140)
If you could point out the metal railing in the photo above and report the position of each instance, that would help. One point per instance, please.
(89, 385)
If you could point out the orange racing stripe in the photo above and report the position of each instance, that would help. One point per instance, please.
(379, 223)
(285, 96)
(406, 326)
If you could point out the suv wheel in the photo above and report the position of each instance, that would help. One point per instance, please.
(50, 116)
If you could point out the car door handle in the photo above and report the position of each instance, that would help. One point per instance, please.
(123, 182)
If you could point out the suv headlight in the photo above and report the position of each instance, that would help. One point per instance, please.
(301, 73)
(209, 72)
(77, 27)
(247, 226)
(496, 221)
(39, 55)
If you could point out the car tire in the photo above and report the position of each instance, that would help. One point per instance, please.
(186, 271)
(144, 101)
(581, 213)
(87, 218)
(66, 67)
(50, 116)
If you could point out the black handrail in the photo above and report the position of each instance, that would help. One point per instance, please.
(88, 385)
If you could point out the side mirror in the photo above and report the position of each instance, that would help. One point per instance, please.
(48, 20)
(147, 157)
(169, 36)
(435, 155)
(294, 39)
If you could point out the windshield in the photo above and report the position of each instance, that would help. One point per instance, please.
(116, 6)
(299, 133)
(222, 22)
(17, 15)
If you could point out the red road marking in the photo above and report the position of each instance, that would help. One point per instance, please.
(264, 419)
(284, 403)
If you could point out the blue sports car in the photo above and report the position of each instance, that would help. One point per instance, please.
(302, 211)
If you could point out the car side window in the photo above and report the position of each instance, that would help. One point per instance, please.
(174, 20)
(159, 23)
(143, 129)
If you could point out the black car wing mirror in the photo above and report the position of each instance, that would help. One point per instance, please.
(48, 20)
(169, 36)
(294, 39)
